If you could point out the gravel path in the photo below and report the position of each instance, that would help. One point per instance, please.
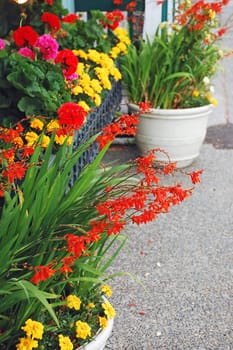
(184, 260)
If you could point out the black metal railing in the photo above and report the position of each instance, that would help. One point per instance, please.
(96, 120)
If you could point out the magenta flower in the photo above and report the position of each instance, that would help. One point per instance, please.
(26, 52)
(2, 44)
(71, 77)
(48, 46)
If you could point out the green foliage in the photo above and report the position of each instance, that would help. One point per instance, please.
(174, 69)
(29, 87)
(33, 222)
(87, 34)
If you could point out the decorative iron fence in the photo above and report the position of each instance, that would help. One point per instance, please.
(96, 120)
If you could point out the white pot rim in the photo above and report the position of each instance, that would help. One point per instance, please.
(175, 113)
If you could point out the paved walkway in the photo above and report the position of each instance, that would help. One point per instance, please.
(184, 258)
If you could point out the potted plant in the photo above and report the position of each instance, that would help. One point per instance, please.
(59, 240)
(172, 77)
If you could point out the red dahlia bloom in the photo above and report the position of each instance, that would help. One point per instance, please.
(25, 36)
(71, 115)
(52, 20)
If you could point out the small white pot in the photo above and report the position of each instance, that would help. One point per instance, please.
(100, 340)
(180, 132)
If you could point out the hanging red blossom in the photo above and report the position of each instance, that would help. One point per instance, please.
(68, 61)
(52, 21)
(42, 273)
(25, 36)
(71, 115)
(15, 171)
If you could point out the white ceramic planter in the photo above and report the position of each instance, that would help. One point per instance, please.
(100, 340)
(180, 132)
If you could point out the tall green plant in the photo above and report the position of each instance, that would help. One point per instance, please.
(173, 70)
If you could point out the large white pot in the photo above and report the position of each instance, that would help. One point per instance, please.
(100, 340)
(180, 132)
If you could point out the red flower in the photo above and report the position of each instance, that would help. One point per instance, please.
(52, 20)
(49, 2)
(113, 18)
(118, 2)
(15, 171)
(145, 106)
(67, 262)
(68, 61)
(71, 115)
(71, 18)
(42, 273)
(76, 244)
(25, 36)
(195, 176)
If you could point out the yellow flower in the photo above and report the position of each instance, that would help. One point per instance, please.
(33, 329)
(115, 73)
(212, 14)
(95, 84)
(195, 93)
(31, 137)
(103, 322)
(80, 53)
(77, 90)
(65, 343)
(61, 139)
(90, 306)
(18, 141)
(27, 344)
(37, 124)
(97, 99)
(107, 290)
(83, 330)
(84, 105)
(45, 141)
(213, 101)
(53, 124)
(73, 302)
(108, 310)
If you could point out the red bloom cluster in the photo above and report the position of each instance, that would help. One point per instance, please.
(25, 36)
(118, 2)
(68, 61)
(136, 202)
(71, 116)
(113, 19)
(197, 15)
(125, 125)
(14, 156)
(52, 21)
(71, 18)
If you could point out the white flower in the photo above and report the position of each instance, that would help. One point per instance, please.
(206, 81)
(212, 89)
(220, 53)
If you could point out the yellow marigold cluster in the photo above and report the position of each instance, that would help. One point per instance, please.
(106, 289)
(123, 42)
(83, 330)
(39, 125)
(73, 302)
(34, 330)
(65, 343)
(108, 310)
(95, 70)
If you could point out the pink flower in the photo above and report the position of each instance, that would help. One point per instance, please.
(26, 52)
(48, 46)
(2, 44)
